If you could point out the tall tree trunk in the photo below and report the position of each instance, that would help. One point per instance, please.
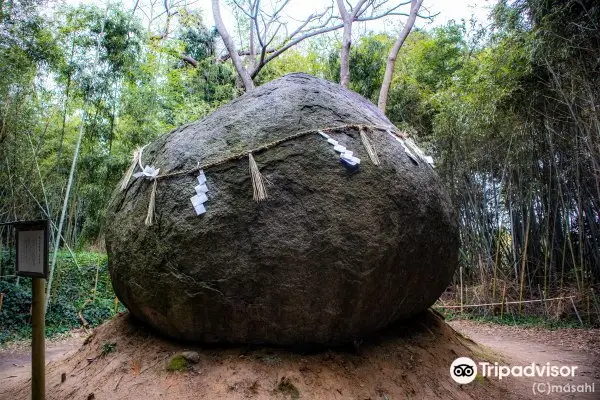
(347, 18)
(415, 5)
(235, 57)
(345, 54)
(252, 48)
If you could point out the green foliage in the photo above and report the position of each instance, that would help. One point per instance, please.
(428, 64)
(131, 85)
(108, 348)
(14, 315)
(368, 59)
(524, 321)
(293, 60)
(76, 292)
(287, 388)
(199, 41)
(178, 363)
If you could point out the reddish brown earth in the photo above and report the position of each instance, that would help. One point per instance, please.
(406, 361)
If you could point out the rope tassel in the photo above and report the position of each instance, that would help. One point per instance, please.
(258, 181)
(369, 147)
(151, 203)
(129, 173)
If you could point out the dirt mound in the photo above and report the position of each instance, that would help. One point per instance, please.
(123, 360)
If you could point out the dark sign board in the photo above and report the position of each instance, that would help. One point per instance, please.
(32, 248)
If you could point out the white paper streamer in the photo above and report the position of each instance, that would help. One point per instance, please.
(350, 158)
(200, 209)
(201, 188)
(326, 136)
(201, 178)
(409, 153)
(346, 155)
(148, 171)
(200, 197)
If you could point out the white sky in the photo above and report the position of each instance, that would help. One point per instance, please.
(448, 10)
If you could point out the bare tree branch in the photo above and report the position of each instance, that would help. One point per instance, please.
(391, 62)
(364, 10)
(235, 58)
(292, 44)
(135, 6)
(189, 59)
(265, 30)
(374, 17)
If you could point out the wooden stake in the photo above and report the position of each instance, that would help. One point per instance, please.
(576, 312)
(461, 291)
(503, 300)
(38, 375)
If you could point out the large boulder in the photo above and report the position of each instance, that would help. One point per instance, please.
(331, 256)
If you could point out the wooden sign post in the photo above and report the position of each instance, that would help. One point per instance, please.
(32, 261)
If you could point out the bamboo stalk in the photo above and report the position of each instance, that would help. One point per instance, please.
(70, 180)
(495, 271)
(543, 300)
(596, 303)
(524, 263)
(96, 279)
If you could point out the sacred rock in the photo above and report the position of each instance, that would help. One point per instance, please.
(333, 254)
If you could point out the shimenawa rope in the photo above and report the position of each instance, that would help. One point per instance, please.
(258, 181)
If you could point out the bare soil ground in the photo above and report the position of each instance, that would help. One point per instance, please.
(409, 360)
(522, 346)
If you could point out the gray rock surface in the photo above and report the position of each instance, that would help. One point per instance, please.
(191, 356)
(333, 255)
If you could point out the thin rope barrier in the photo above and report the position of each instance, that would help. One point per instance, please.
(506, 302)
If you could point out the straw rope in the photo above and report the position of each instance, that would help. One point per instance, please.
(258, 180)
(369, 147)
(275, 143)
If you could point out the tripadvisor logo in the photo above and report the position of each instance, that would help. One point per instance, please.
(463, 370)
